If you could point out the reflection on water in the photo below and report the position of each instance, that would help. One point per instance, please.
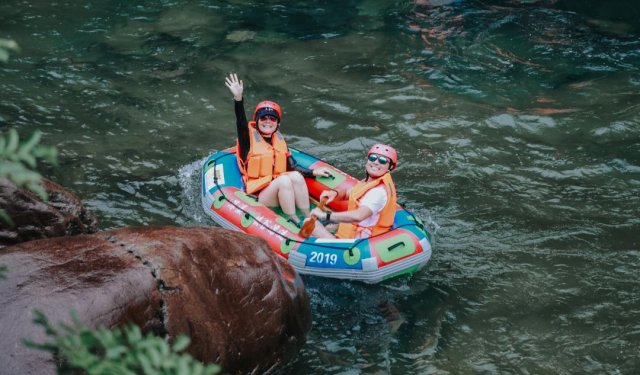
(517, 124)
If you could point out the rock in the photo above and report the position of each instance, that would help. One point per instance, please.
(63, 215)
(242, 306)
(240, 36)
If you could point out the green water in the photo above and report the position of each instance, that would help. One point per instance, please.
(517, 125)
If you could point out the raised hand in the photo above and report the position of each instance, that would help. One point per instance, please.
(235, 86)
(321, 172)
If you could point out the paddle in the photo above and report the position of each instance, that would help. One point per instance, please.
(308, 225)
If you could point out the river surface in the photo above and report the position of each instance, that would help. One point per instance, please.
(517, 125)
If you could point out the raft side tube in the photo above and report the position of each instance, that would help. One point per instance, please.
(371, 274)
(403, 250)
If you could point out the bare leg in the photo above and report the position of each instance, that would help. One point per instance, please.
(280, 193)
(300, 191)
(320, 231)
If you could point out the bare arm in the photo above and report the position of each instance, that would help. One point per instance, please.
(334, 194)
(356, 215)
(292, 165)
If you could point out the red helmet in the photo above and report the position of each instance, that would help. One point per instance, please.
(267, 108)
(387, 151)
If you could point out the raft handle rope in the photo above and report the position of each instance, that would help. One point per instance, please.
(397, 244)
(288, 240)
(415, 218)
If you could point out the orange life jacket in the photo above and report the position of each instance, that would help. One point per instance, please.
(387, 215)
(264, 161)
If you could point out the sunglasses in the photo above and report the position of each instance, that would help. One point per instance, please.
(269, 118)
(382, 160)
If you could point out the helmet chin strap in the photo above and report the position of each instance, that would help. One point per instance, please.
(265, 135)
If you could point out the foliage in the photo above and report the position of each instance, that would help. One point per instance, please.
(116, 351)
(3, 272)
(17, 161)
(7, 45)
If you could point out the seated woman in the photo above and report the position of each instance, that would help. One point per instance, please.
(372, 201)
(267, 167)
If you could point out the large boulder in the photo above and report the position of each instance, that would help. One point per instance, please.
(243, 307)
(62, 215)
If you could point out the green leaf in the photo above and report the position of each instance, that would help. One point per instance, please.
(37, 188)
(155, 357)
(182, 342)
(134, 334)
(20, 175)
(9, 168)
(115, 352)
(28, 159)
(40, 319)
(12, 144)
(31, 142)
(182, 367)
(145, 363)
(47, 153)
(17, 162)
(164, 348)
(4, 216)
(198, 368)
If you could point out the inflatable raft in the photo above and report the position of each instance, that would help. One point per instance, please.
(403, 250)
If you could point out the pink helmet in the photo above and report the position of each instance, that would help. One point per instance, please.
(387, 151)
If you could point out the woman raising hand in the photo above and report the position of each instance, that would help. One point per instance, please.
(268, 169)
